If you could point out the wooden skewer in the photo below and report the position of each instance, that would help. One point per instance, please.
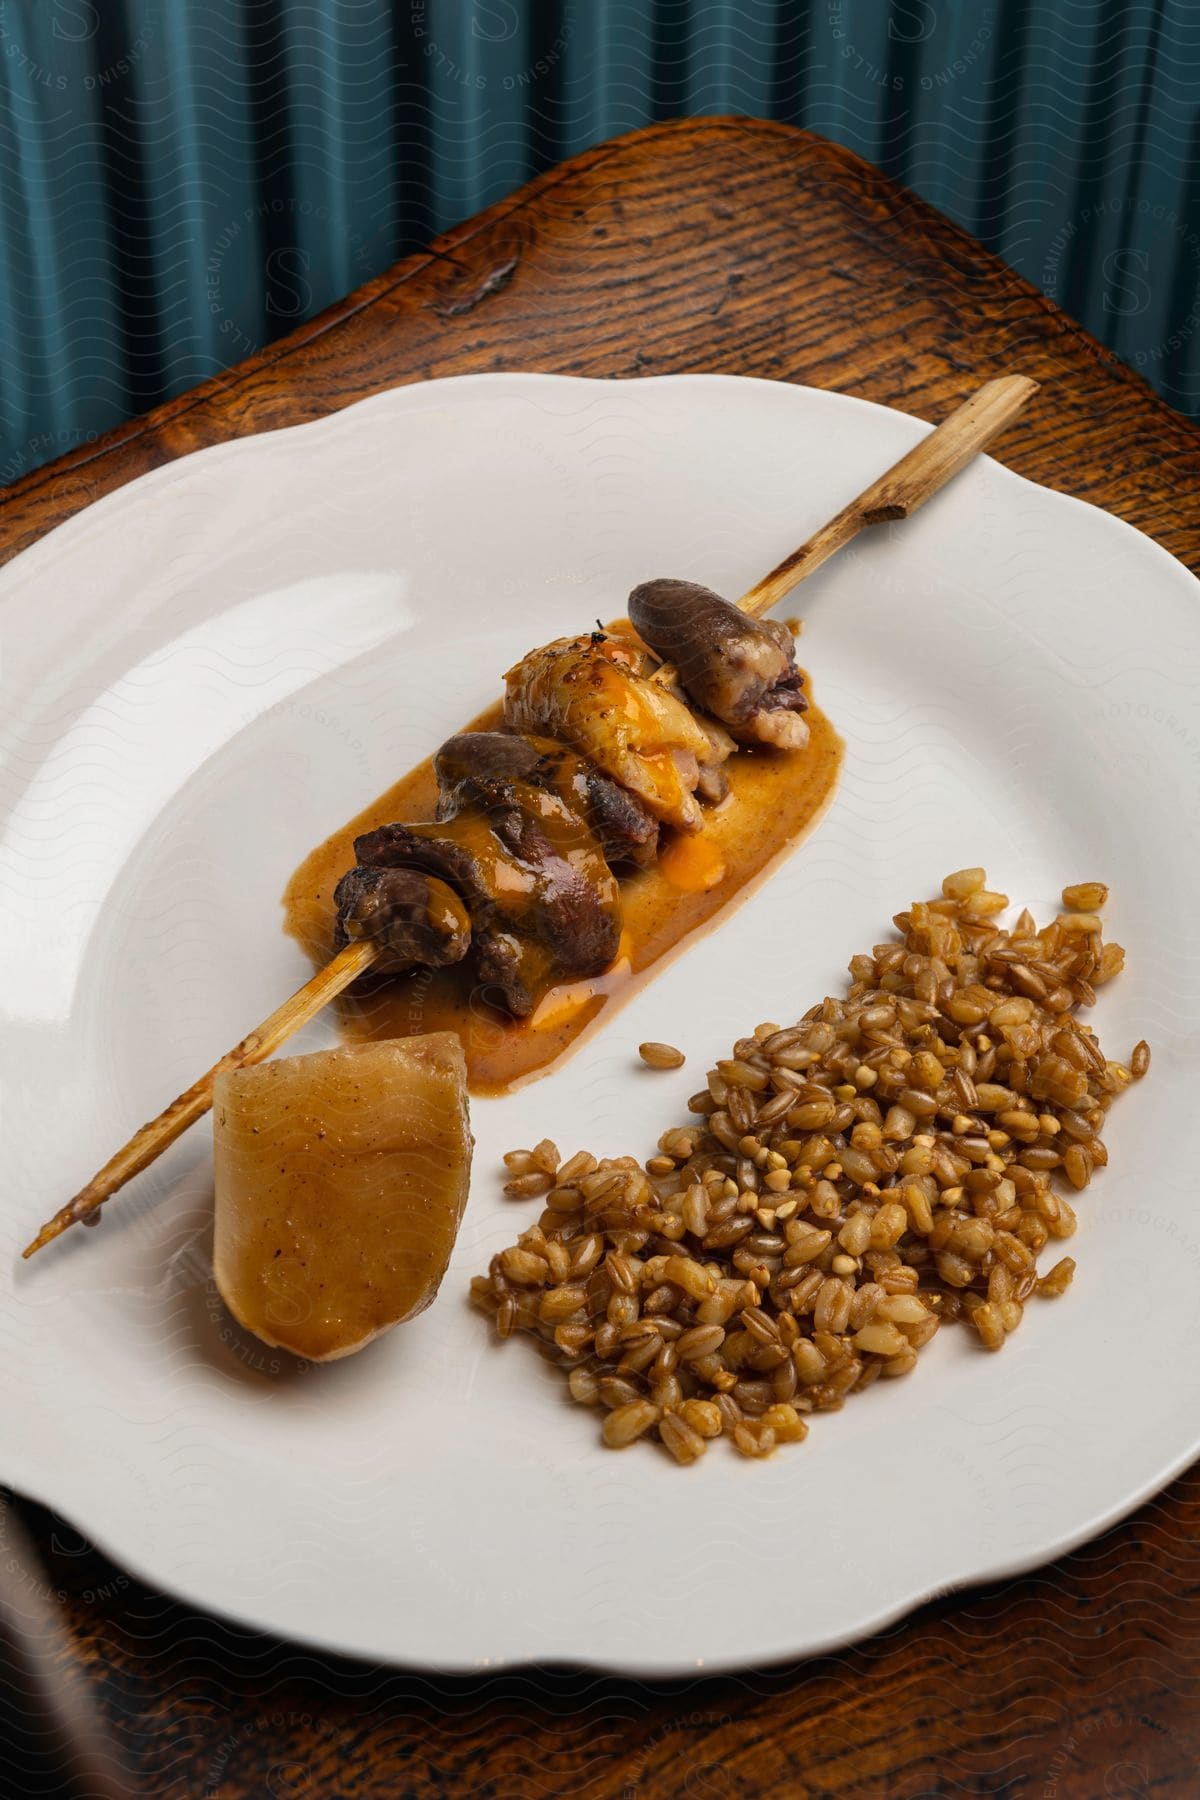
(151, 1140)
(905, 486)
(896, 494)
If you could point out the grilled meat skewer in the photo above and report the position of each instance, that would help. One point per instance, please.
(527, 827)
(536, 706)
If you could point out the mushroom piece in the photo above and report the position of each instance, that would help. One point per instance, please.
(543, 903)
(413, 917)
(627, 831)
(740, 669)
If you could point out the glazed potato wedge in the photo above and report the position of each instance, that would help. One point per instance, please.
(341, 1178)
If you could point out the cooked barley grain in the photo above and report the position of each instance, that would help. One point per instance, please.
(847, 1184)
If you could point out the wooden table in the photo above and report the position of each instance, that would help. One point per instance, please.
(752, 249)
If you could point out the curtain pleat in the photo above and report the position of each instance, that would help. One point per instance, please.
(181, 184)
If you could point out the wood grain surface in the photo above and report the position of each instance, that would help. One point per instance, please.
(751, 249)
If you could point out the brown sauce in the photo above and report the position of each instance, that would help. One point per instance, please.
(774, 799)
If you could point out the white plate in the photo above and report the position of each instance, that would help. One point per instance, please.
(208, 671)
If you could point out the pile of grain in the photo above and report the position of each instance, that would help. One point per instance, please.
(848, 1185)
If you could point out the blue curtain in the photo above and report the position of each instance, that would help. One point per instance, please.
(180, 183)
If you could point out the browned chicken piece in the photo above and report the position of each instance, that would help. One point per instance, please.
(741, 670)
(713, 784)
(600, 695)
